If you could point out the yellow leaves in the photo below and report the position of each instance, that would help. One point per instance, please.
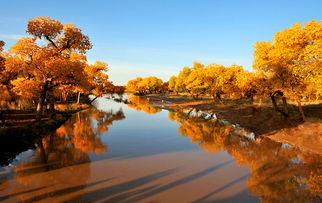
(132, 85)
(4, 94)
(25, 47)
(26, 88)
(97, 77)
(145, 85)
(261, 52)
(150, 84)
(182, 78)
(74, 39)
(195, 83)
(97, 67)
(78, 57)
(60, 62)
(212, 79)
(44, 27)
(290, 61)
(172, 83)
(64, 38)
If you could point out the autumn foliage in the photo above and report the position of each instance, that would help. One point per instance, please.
(146, 85)
(288, 67)
(51, 65)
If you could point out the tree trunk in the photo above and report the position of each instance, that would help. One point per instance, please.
(274, 103)
(252, 99)
(93, 100)
(78, 97)
(301, 110)
(218, 96)
(42, 98)
(285, 107)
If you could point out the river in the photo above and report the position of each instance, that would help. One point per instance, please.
(120, 152)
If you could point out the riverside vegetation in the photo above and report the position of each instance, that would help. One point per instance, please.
(287, 72)
(48, 72)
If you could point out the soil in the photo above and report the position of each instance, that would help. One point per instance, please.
(262, 119)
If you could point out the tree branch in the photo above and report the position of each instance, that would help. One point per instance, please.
(51, 41)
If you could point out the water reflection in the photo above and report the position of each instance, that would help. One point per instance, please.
(142, 104)
(278, 174)
(69, 146)
(80, 163)
(71, 142)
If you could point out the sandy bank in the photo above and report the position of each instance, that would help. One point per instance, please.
(263, 121)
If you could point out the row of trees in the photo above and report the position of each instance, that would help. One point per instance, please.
(214, 80)
(146, 85)
(51, 64)
(290, 67)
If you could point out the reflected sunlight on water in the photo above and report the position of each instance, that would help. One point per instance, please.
(118, 152)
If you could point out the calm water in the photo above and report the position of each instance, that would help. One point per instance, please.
(135, 153)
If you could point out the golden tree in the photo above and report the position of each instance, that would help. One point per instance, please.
(172, 83)
(181, 81)
(98, 79)
(195, 83)
(146, 85)
(292, 61)
(132, 85)
(151, 84)
(4, 76)
(47, 65)
(215, 78)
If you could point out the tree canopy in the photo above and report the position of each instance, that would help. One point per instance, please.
(52, 63)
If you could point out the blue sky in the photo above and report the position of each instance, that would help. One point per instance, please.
(159, 37)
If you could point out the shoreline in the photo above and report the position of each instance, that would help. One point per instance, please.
(26, 136)
(264, 121)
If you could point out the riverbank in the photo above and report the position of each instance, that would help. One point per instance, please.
(23, 130)
(263, 120)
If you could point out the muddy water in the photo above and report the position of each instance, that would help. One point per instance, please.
(135, 153)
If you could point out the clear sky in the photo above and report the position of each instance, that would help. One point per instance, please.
(159, 37)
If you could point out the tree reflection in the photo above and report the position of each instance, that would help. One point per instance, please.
(66, 151)
(279, 173)
(142, 104)
(72, 141)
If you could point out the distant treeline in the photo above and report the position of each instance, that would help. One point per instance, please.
(289, 67)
